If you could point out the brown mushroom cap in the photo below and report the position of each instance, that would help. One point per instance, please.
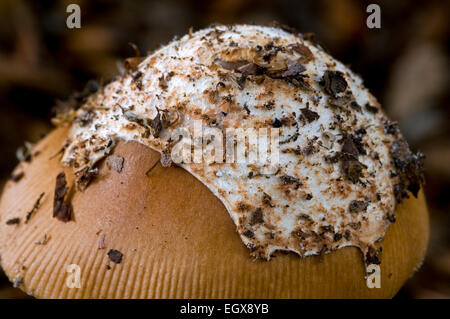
(168, 226)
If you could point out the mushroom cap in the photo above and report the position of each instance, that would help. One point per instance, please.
(176, 237)
(140, 230)
(342, 165)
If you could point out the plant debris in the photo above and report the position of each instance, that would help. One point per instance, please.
(17, 177)
(371, 108)
(409, 168)
(276, 123)
(391, 217)
(248, 233)
(357, 206)
(290, 180)
(85, 176)
(267, 200)
(292, 73)
(309, 115)
(257, 217)
(232, 65)
(164, 80)
(373, 256)
(153, 126)
(115, 256)
(43, 241)
(65, 110)
(303, 50)
(334, 82)
(13, 221)
(61, 209)
(250, 69)
(391, 128)
(85, 118)
(353, 145)
(35, 207)
(351, 168)
(293, 70)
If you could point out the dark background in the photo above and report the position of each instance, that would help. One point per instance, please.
(405, 64)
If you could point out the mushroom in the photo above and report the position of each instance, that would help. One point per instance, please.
(121, 220)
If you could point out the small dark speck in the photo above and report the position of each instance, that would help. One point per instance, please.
(248, 233)
(115, 256)
(13, 221)
(276, 123)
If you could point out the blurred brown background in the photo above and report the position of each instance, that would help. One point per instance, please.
(405, 64)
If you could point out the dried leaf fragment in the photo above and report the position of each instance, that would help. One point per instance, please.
(61, 209)
(13, 221)
(35, 207)
(303, 50)
(334, 82)
(131, 64)
(17, 177)
(409, 167)
(371, 108)
(115, 256)
(43, 241)
(257, 217)
(293, 69)
(357, 206)
(352, 169)
(231, 66)
(85, 176)
(153, 126)
(290, 180)
(309, 115)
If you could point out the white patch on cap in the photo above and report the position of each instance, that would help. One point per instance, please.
(305, 206)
